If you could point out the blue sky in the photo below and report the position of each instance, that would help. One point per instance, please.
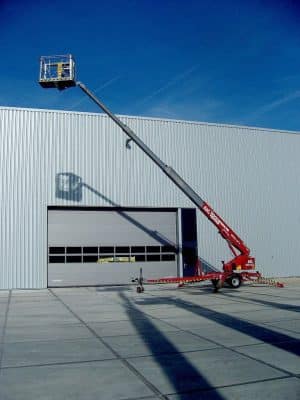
(226, 61)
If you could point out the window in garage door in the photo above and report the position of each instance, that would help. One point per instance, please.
(102, 254)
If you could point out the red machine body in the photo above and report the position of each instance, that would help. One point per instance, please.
(241, 261)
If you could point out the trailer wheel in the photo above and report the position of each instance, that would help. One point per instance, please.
(234, 281)
(139, 289)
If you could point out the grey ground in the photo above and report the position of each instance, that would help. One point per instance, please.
(167, 343)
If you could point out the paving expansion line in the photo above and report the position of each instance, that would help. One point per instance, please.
(274, 295)
(4, 329)
(161, 396)
(208, 390)
(290, 374)
(150, 386)
(264, 303)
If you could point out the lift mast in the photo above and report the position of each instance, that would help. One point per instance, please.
(59, 72)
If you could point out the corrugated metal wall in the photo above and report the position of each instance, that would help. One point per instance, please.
(250, 177)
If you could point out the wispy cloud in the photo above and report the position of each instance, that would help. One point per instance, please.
(205, 109)
(289, 78)
(178, 78)
(98, 89)
(275, 104)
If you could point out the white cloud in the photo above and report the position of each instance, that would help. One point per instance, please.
(206, 110)
(178, 78)
(98, 89)
(275, 104)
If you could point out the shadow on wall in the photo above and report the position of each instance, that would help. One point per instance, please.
(207, 267)
(69, 186)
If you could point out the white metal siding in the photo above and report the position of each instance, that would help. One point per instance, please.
(250, 176)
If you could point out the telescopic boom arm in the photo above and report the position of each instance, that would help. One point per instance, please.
(242, 259)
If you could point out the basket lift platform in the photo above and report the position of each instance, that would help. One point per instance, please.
(59, 72)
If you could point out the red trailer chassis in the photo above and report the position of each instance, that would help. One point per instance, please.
(234, 279)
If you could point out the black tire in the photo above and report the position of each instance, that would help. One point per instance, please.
(139, 289)
(234, 281)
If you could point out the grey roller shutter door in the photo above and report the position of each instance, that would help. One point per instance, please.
(94, 231)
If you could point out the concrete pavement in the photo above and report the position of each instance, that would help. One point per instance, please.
(167, 343)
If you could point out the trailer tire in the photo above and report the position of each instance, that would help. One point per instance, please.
(234, 281)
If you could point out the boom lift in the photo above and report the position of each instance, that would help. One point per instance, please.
(241, 266)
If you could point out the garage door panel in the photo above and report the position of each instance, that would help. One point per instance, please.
(85, 247)
(103, 227)
(99, 274)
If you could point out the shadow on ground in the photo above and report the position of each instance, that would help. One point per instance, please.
(155, 339)
(281, 306)
(266, 335)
